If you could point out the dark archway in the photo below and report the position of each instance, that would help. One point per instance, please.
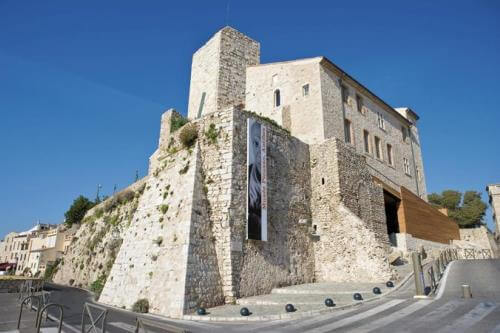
(391, 204)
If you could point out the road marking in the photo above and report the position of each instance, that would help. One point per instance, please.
(300, 323)
(406, 311)
(123, 326)
(470, 318)
(436, 314)
(496, 329)
(444, 278)
(357, 317)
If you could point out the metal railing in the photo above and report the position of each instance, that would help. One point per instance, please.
(101, 315)
(45, 309)
(25, 301)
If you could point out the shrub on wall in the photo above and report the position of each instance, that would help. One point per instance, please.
(188, 135)
(141, 306)
(51, 270)
(98, 285)
(77, 211)
(177, 122)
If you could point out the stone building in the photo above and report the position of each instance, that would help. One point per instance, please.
(494, 199)
(344, 174)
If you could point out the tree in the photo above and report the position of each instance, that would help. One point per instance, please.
(76, 212)
(468, 213)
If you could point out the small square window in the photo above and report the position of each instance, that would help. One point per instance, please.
(305, 90)
(380, 120)
(406, 165)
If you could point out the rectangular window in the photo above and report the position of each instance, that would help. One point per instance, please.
(305, 90)
(406, 165)
(405, 134)
(344, 92)
(347, 131)
(359, 103)
(378, 148)
(380, 119)
(366, 140)
(389, 154)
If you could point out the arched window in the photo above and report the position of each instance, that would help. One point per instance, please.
(277, 98)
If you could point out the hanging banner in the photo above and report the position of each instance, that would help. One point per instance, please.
(256, 180)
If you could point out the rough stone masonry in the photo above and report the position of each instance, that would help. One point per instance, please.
(180, 239)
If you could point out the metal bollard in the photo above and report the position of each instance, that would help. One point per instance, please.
(443, 263)
(419, 274)
(466, 293)
(435, 269)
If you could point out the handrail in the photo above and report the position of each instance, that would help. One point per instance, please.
(40, 315)
(30, 297)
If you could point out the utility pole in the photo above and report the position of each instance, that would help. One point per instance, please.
(136, 175)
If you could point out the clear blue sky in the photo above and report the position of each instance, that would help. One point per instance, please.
(83, 85)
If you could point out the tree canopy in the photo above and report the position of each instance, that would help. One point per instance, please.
(467, 210)
(76, 212)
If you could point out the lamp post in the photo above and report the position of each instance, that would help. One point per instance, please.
(97, 199)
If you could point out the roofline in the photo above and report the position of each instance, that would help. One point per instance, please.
(286, 62)
(343, 74)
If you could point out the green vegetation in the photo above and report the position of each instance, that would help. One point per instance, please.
(119, 199)
(177, 122)
(468, 213)
(77, 211)
(98, 285)
(266, 120)
(188, 135)
(164, 208)
(158, 241)
(141, 306)
(185, 169)
(212, 134)
(51, 270)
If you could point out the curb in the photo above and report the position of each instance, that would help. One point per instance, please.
(291, 316)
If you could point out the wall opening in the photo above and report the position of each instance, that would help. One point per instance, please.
(391, 204)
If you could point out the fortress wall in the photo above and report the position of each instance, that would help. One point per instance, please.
(95, 245)
(287, 257)
(348, 211)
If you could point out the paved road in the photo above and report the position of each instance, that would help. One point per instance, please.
(447, 312)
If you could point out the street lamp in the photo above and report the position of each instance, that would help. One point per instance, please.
(99, 186)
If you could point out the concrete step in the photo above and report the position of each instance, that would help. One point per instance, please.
(331, 288)
(300, 299)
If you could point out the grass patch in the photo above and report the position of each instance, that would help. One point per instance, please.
(212, 134)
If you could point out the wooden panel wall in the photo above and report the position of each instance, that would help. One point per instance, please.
(421, 220)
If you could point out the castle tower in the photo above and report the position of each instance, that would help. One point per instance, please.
(218, 72)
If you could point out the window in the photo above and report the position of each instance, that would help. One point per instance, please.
(406, 165)
(305, 90)
(366, 139)
(380, 120)
(378, 148)
(202, 103)
(345, 92)
(277, 98)
(359, 103)
(389, 155)
(347, 131)
(405, 134)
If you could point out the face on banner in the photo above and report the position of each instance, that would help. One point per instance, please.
(256, 181)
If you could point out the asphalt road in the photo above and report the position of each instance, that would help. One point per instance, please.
(447, 312)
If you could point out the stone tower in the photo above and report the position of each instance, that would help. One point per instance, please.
(218, 72)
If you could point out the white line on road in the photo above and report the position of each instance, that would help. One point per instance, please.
(470, 318)
(123, 326)
(357, 317)
(442, 283)
(406, 311)
(435, 315)
(301, 323)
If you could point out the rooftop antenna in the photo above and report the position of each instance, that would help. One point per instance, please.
(227, 12)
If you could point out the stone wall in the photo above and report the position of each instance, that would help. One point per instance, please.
(348, 214)
(95, 245)
(479, 237)
(218, 71)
